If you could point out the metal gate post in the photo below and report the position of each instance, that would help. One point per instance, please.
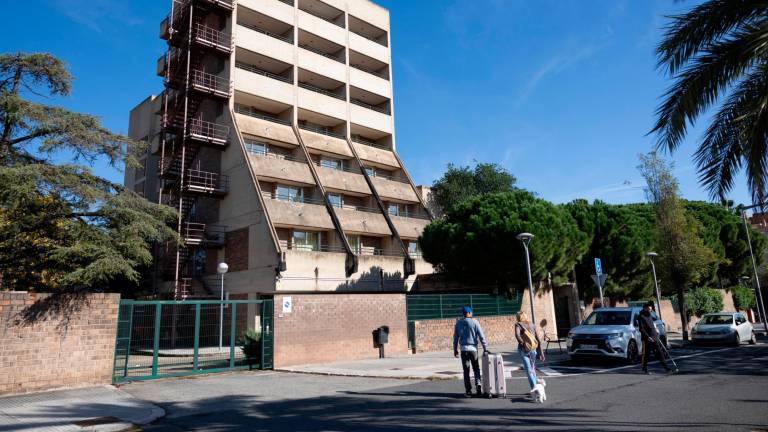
(130, 333)
(156, 341)
(195, 358)
(232, 330)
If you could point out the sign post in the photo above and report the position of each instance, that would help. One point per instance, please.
(599, 279)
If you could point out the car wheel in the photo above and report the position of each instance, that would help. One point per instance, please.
(736, 339)
(632, 354)
(752, 338)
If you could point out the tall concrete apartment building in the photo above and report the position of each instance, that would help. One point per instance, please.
(274, 138)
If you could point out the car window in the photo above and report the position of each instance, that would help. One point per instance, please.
(717, 319)
(609, 318)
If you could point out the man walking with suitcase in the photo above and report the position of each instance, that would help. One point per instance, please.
(466, 335)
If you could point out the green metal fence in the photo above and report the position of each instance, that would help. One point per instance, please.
(439, 306)
(157, 339)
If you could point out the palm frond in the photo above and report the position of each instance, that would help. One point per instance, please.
(701, 84)
(692, 32)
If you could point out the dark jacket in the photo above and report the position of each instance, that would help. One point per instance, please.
(647, 327)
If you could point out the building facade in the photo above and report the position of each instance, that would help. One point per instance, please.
(274, 139)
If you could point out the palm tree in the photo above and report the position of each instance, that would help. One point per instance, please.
(717, 53)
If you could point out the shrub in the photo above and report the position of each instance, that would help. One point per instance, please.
(702, 301)
(250, 344)
(743, 298)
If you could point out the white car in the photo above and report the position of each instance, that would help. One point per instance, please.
(611, 332)
(724, 327)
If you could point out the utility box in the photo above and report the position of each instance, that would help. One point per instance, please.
(381, 335)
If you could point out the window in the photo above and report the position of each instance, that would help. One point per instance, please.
(354, 243)
(289, 193)
(393, 209)
(413, 249)
(256, 147)
(336, 164)
(306, 241)
(336, 200)
(371, 171)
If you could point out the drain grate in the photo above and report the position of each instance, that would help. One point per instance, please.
(97, 421)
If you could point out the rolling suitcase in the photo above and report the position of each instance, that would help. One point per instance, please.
(494, 382)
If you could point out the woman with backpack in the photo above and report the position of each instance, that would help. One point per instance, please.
(529, 347)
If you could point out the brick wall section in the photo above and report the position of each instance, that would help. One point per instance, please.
(237, 249)
(60, 349)
(437, 335)
(337, 327)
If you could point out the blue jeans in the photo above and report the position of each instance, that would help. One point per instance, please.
(529, 364)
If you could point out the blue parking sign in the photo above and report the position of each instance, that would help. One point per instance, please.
(598, 266)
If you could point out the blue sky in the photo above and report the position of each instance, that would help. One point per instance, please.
(561, 93)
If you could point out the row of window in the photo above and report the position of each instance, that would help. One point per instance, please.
(311, 241)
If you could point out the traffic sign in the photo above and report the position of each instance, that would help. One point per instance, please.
(598, 266)
(601, 281)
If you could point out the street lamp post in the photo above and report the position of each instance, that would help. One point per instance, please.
(759, 295)
(221, 269)
(525, 238)
(744, 280)
(651, 256)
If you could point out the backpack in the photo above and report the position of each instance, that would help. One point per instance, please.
(528, 338)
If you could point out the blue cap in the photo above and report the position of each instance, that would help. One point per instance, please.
(466, 310)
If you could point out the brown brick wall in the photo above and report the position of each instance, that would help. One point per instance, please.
(70, 348)
(237, 249)
(437, 335)
(336, 327)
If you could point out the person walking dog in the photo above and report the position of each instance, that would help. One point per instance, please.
(651, 339)
(529, 348)
(466, 335)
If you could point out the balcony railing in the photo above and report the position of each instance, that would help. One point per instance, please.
(254, 69)
(343, 168)
(410, 215)
(372, 39)
(322, 53)
(311, 247)
(360, 140)
(211, 83)
(371, 251)
(274, 155)
(211, 37)
(359, 208)
(378, 74)
(252, 112)
(322, 131)
(226, 4)
(330, 20)
(206, 182)
(268, 33)
(197, 233)
(321, 91)
(389, 177)
(208, 131)
(358, 102)
(292, 198)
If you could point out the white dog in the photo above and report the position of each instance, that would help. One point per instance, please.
(539, 394)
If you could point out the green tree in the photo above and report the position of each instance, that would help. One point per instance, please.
(743, 298)
(718, 52)
(460, 183)
(61, 227)
(476, 241)
(684, 260)
(620, 235)
(702, 301)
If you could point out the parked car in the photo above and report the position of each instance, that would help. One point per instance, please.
(611, 332)
(723, 327)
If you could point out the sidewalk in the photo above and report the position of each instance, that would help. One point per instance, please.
(423, 366)
(102, 409)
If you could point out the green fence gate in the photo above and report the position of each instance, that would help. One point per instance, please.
(440, 306)
(158, 339)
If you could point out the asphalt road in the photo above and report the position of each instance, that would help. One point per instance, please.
(717, 389)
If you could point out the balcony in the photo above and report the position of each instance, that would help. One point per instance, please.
(371, 118)
(259, 42)
(390, 189)
(322, 131)
(202, 234)
(210, 84)
(325, 103)
(304, 213)
(321, 26)
(279, 10)
(376, 155)
(162, 65)
(323, 11)
(322, 91)
(208, 132)
(362, 220)
(253, 112)
(212, 38)
(371, 83)
(343, 181)
(369, 47)
(206, 183)
(286, 39)
(228, 5)
(410, 226)
(264, 125)
(275, 167)
(263, 84)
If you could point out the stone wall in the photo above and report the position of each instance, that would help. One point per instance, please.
(336, 327)
(47, 343)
